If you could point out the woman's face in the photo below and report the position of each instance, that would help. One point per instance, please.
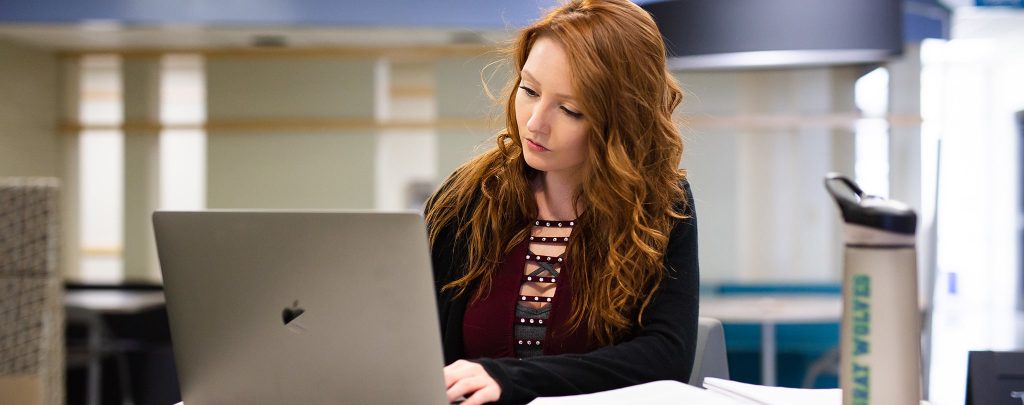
(551, 126)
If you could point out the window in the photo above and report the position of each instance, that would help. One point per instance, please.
(182, 155)
(101, 213)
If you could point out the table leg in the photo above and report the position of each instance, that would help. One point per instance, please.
(768, 353)
(95, 370)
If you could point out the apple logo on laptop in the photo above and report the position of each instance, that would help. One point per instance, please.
(290, 317)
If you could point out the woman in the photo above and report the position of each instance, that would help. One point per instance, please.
(565, 258)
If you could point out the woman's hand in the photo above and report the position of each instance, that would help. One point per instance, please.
(469, 379)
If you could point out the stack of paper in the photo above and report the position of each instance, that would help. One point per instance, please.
(762, 395)
(654, 393)
(718, 392)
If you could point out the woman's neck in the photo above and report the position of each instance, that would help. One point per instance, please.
(554, 194)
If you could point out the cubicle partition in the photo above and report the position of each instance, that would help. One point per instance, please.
(31, 317)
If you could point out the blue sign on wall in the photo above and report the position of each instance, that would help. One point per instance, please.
(1000, 3)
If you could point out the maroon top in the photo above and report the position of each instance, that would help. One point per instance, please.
(487, 327)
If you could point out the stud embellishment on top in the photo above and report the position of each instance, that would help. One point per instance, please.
(554, 224)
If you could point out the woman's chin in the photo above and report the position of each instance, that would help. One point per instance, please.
(535, 163)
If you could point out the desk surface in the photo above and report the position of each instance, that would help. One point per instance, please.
(114, 301)
(773, 308)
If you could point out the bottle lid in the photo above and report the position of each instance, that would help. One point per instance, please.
(868, 210)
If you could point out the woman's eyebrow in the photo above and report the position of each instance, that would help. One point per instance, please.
(526, 74)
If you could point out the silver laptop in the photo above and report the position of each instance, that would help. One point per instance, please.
(271, 307)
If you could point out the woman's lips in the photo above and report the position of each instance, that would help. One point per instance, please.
(534, 146)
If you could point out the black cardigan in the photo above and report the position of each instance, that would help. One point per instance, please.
(662, 349)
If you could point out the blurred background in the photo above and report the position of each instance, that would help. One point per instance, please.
(315, 104)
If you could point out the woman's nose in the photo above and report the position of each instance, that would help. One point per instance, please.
(538, 120)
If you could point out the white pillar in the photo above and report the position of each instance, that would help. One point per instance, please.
(141, 78)
(406, 164)
(70, 235)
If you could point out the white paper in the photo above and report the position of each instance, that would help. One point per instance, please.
(762, 395)
(653, 393)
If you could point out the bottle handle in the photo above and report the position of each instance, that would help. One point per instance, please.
(843, 189)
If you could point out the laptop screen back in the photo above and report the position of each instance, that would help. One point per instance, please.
(301, 307)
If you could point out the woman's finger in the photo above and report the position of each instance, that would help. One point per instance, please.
(489, 393)
(464, 387)
(456, 371)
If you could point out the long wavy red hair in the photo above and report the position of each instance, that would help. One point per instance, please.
(631, 185)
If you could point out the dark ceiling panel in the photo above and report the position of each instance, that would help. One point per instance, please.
(767, 33)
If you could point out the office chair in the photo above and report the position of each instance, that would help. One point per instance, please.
(709, 358)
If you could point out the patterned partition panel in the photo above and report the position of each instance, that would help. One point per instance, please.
(31, 303)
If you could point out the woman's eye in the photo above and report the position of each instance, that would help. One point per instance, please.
(528, 91)
(571, 113)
